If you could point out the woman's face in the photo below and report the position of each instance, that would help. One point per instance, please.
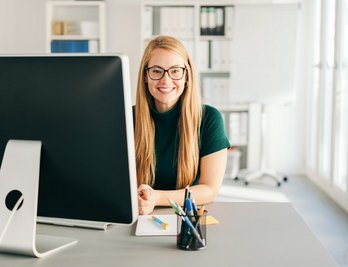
(165, 91)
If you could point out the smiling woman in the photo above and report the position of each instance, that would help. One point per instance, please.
(179, 142)
(164, 89)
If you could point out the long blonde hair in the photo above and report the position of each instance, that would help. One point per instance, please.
(189, 122)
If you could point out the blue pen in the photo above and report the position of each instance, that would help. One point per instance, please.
(189, 194)
(189, 209)
(194, 206)
(187, 189)
(197, 225)
(190, 225)
(183, 216)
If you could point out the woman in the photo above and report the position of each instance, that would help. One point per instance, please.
(178, 140)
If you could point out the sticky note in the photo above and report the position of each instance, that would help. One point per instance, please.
(211, 220)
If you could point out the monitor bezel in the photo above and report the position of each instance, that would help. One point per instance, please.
(130, 143)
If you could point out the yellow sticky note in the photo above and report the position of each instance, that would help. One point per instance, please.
(211, 220)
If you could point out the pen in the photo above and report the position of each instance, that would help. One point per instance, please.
(201, 210)
(199, 227)
(159, 222)
(177, 211)
(183, 216)
(198, 213)
(194, 206)
(187, 189)
(190, 225)
(174, 206)
(197, 224)
(189, 194)
(189, 209)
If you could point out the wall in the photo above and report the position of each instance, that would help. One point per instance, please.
(286, 124)
(124, 31)
(22, 30)
(22, 26)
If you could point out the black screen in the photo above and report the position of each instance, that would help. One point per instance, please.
(76, 106)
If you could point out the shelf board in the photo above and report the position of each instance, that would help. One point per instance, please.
(214, 38)
(238, 144)
(73, 37)
(149, 38)
(76, 3)
(233, 107)
(211, 72)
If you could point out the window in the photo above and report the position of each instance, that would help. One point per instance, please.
(312, 138)
(326, 88)
(328, 119)
(341, 100)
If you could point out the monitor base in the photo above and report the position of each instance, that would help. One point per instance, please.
(19, 183)
(73, 223)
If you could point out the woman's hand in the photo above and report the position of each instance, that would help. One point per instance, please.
(146, 199)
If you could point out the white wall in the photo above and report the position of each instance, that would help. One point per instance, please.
(286, 124)
(124, 31)
(22, 30)
(22, 26)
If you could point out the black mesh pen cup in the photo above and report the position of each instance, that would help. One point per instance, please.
(192, 232)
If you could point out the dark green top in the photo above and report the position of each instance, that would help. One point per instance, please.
(212, 139)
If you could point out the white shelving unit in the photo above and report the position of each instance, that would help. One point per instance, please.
(242, 123)
(238, 67)
(206, 29)
(75, 26)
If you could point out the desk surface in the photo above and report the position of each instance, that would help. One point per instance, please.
(248, 235)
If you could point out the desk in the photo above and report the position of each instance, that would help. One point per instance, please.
(249, 234)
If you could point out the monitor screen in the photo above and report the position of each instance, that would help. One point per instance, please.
(80, 108)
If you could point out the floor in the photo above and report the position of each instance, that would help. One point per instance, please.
(325, 218)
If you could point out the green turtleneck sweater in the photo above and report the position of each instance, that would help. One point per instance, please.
(212, 139)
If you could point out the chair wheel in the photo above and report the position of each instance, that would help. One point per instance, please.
(236, 178)
(285, 178)
(246, 182)
(279, 184)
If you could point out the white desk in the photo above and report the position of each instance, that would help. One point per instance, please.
(249, 234)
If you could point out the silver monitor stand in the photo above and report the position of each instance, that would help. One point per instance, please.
(19, 180)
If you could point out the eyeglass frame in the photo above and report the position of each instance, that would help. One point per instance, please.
(164, 72)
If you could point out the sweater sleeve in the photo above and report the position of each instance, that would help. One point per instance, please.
(213, 133)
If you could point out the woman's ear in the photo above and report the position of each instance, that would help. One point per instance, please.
(186, 81)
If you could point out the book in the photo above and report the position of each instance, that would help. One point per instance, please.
(69, 46)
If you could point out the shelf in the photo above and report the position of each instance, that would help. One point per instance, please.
(235, 107)
(214, 38)
(246, 55)
(215, 73)
(73, 37)
(69, 21)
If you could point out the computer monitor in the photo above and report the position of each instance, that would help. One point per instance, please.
(80, 108)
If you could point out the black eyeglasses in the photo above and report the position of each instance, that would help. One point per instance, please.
(157, 73)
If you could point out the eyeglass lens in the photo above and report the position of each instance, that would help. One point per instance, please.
(157, 73)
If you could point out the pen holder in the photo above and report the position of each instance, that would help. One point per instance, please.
(194, 236)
